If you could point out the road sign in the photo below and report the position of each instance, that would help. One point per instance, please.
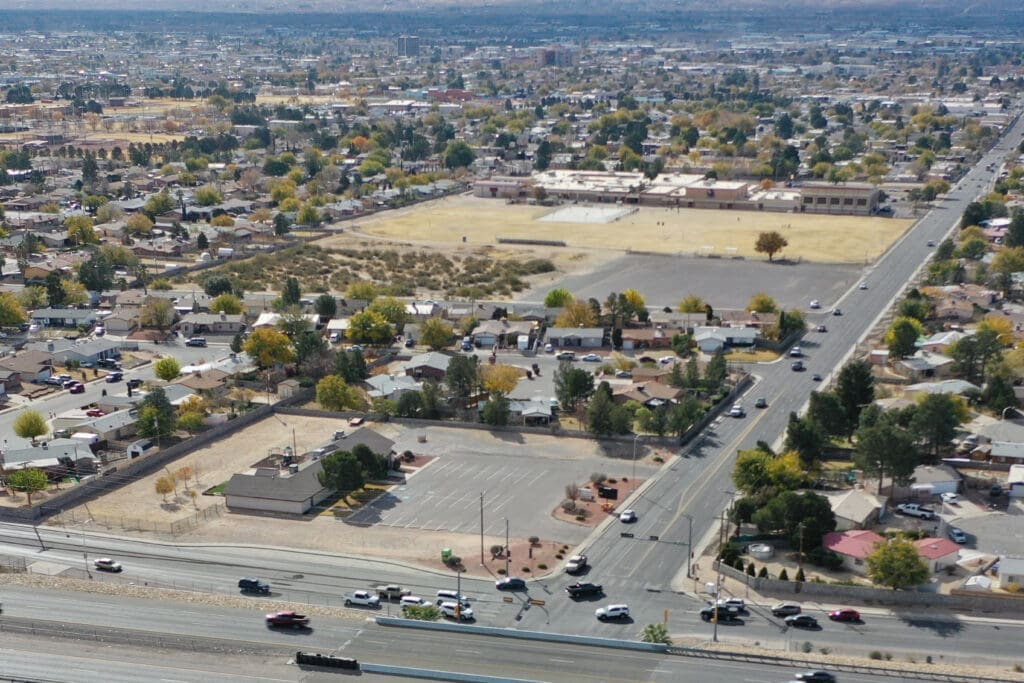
(538, 603)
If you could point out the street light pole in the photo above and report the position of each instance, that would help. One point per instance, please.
(481, 528)
(633, 480)
(508, 553)
(689, 543)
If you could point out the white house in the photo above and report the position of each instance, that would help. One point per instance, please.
(934, 480)
(1011, 570)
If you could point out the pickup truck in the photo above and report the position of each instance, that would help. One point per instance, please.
(287, 620)
(579, 590)
(362, 598)
(576, 564)
(391, 592)
(915, 510)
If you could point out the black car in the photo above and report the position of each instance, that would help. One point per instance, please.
(510, 583)
(818, 675)
(802, 621)
(579, 590)
(250, 585)
(722, 613)
(114, 377)
(134, 383)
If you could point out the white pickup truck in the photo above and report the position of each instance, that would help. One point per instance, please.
(915, 510)
(362, 598)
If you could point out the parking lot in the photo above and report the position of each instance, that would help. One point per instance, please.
(522, 477)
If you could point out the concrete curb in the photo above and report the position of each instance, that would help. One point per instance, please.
(525, 635)
(432, 675)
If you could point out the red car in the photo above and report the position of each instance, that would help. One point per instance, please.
(95, 412)
(287, 620)
(77, 388)
(844, 615)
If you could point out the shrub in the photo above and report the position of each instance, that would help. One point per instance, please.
(581, 516)
(422, 612)
(806, 647)
(658, 459)
(542, 566)
(569, 505)
(534, 540)
(729, 554)
(800, 574)
(497, 550)
(525, 570)
(751, 571)
(611, 480)
(1013, 588)
(875, 654)
(783, 575)
(763, 574)
(738, 563)
(598, 477)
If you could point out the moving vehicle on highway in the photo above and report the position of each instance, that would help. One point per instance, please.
(287, 620)
(612, 612)
(364, 599)
(845, 614)
(591, 358)
(576, 564)
(196, 341)
(250, 585)
(818, 676)
(76, 388)
(582, 590)
(802, 621)
(956, 534)
(785, 609)
(627, 516)
(510, 583)
(714, 612)
(454, 611)
(761, 403)
(105, 564)
(737, 411)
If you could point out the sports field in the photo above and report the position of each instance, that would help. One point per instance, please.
(833, 239)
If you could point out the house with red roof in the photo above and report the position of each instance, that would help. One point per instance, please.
(938, 553)
(853, 546)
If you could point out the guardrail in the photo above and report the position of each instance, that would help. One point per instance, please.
(524, 635)
(773, 660)
(431, 675)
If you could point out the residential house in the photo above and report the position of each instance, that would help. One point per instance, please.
(66, 351)
(1011, 571)
(58, 457)
(193, 324)
(64, 317)
(418, 311)
(714, 339)
(938, 553)
(956, 387)
(853, 546)
(269, 319)
(431, 365)
(646, 338)
(501, 332)
(934, 480)
(1015, 481)
(575, 337)
(27, 367)
(748, 319)
(925, 365)
(527, 411)
(855, 509)
(941, 341)
(210, 383)
(647, 394)
(116, 426)
(123, 321)
(390, 386)
(1007, 452)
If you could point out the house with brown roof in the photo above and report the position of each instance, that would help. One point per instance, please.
(27, 366)
(208, 383)
(647, 338)
(647, 394)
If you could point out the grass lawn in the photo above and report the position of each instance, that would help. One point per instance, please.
(834, 239)
(342, 505)
(749, 356)
(217, 490)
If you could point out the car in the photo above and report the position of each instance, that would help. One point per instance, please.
(451, 596)
(837, 311)
(720, 613)
(99, 331)
(798, 366)
(110, 363)
(822, 328)
(802, 621)
(624, 374)
(915, 510)
(667, 360)
(886, 211)
(411, 601)
(362, 598)
(248, 584)
(862, 286)
(996, 491)
(796, 352)
(68, 383)
(287, 620)
(627, 516)
(114, 377)
(815, 304)
(591, 358)
(612, 612)
(134, 383)
(455, 611)
(845, 614)
(510, 583)
(410, 343)
(819, 676)
(956, 534)
(580, 590)
(950, 498)
(94, 412)
(196, 341)
(785, 609)
(566, 355)
(737, 411)
(735, 604)
(576, 564)
(815, 377)
(107, 565)
(548, 348)
(761, 403)
(931, 243)
(467, 346)
(56, 381)
(76, 388)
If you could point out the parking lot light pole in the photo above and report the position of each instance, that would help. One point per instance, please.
(689, 542)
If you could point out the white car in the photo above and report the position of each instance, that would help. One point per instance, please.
(453, 611)
(411, 601)
(362, 598)
(612, 612)
(591, 358)
(863, 285)
(737, 411)
(548, 348)
(627, 516)
(950, 498)
(815, 304)
(737, 604)
(108, 565)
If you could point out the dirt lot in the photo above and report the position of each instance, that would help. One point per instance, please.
(836, 239)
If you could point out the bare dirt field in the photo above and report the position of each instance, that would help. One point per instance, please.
(834, 239)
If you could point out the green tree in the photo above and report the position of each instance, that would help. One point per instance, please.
(805, 437)
(972, 354)
(692, 304)
(217, 284)
(410, 404)
(902, 336)
(308, 215)
(771, 243)
(30, 424)
(935, 421)
(157, 417)
(341, 471)
(463, 376)
(826, 411)
(855, 388)
(191, 422)
(97, 273)
(291, 294)
(310, 353)
(599, 411)
(656, 633)
(207, 196)
(30, 298)
(268, 347)
(158, 313)
(436, 333)
(716, 371)
(886, 448)
(29, 481)
(496, 411)
(557, 298)
(458, 155)
(897, 564)
(326, 306)
(333, 393)
(762, 303)
(572, 385)
(227, 303)
(433, 399)
(803, 517)
(80, 230)
(370, 327)
(421, 612)
(998, 394)
(237, 343)
(11, 312)
(384, 407)
(167, 368)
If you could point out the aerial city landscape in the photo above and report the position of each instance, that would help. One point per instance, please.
(543, 341)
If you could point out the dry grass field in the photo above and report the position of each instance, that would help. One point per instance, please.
(831, 239)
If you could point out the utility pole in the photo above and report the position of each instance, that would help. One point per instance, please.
(689, 543)
(481, 528)
(508, 553)
(801, 558)
(718, 591)
(633, 480)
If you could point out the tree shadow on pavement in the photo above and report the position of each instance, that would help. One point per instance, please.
(946, 626)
